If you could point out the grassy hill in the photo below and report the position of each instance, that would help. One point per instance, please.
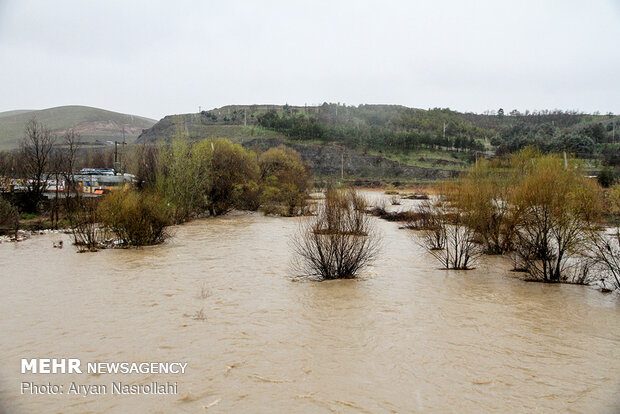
(437, 138)
(198, 126)
(15, 112)
(93, 124)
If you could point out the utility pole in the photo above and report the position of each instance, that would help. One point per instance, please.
(123, 152)
(342, 165)
(444, 130)
(115, 156)
(245, 117)
(565, 161)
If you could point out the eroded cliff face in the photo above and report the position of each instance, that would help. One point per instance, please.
(327, 160)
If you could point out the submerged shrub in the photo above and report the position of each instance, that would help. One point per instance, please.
(450, 239)
(430, 222)
(88, 234)
(604, 250)
(339, 241)
(135, 218)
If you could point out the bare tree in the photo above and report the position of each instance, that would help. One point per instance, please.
(7, 169)
(605, 251)
(7, 164)
(72, 143)
(56, 164)
(72, 197)
(144, 163)
(36, 151)
(339, 241)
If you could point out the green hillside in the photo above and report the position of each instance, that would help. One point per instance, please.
(384, 130)
(93, 124)
(437, 138)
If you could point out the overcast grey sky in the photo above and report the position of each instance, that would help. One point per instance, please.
(155, 58)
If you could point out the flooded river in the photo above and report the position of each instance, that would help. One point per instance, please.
(406, 337)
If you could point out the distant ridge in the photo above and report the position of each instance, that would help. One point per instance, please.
(15, 112)
(95, 125)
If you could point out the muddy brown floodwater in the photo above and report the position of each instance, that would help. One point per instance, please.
(406, 337)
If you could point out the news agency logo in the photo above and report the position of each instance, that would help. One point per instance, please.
(74, 366)
(51, 366)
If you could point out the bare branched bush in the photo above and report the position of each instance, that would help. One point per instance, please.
(581, 271)
(604, 249)
(448, 238)
(425, 217)
(339, 241)
(88, 234)
(461, 249)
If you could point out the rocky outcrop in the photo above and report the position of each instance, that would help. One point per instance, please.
(327, 160)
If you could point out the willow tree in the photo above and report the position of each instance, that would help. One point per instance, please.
(556, 205)
(484, 198)
(227, 168)
(285, 179)
(181, 180)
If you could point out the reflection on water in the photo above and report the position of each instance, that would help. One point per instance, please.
(405, 337)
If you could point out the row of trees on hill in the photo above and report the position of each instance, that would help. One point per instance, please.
(582, 141)
(394, 136)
